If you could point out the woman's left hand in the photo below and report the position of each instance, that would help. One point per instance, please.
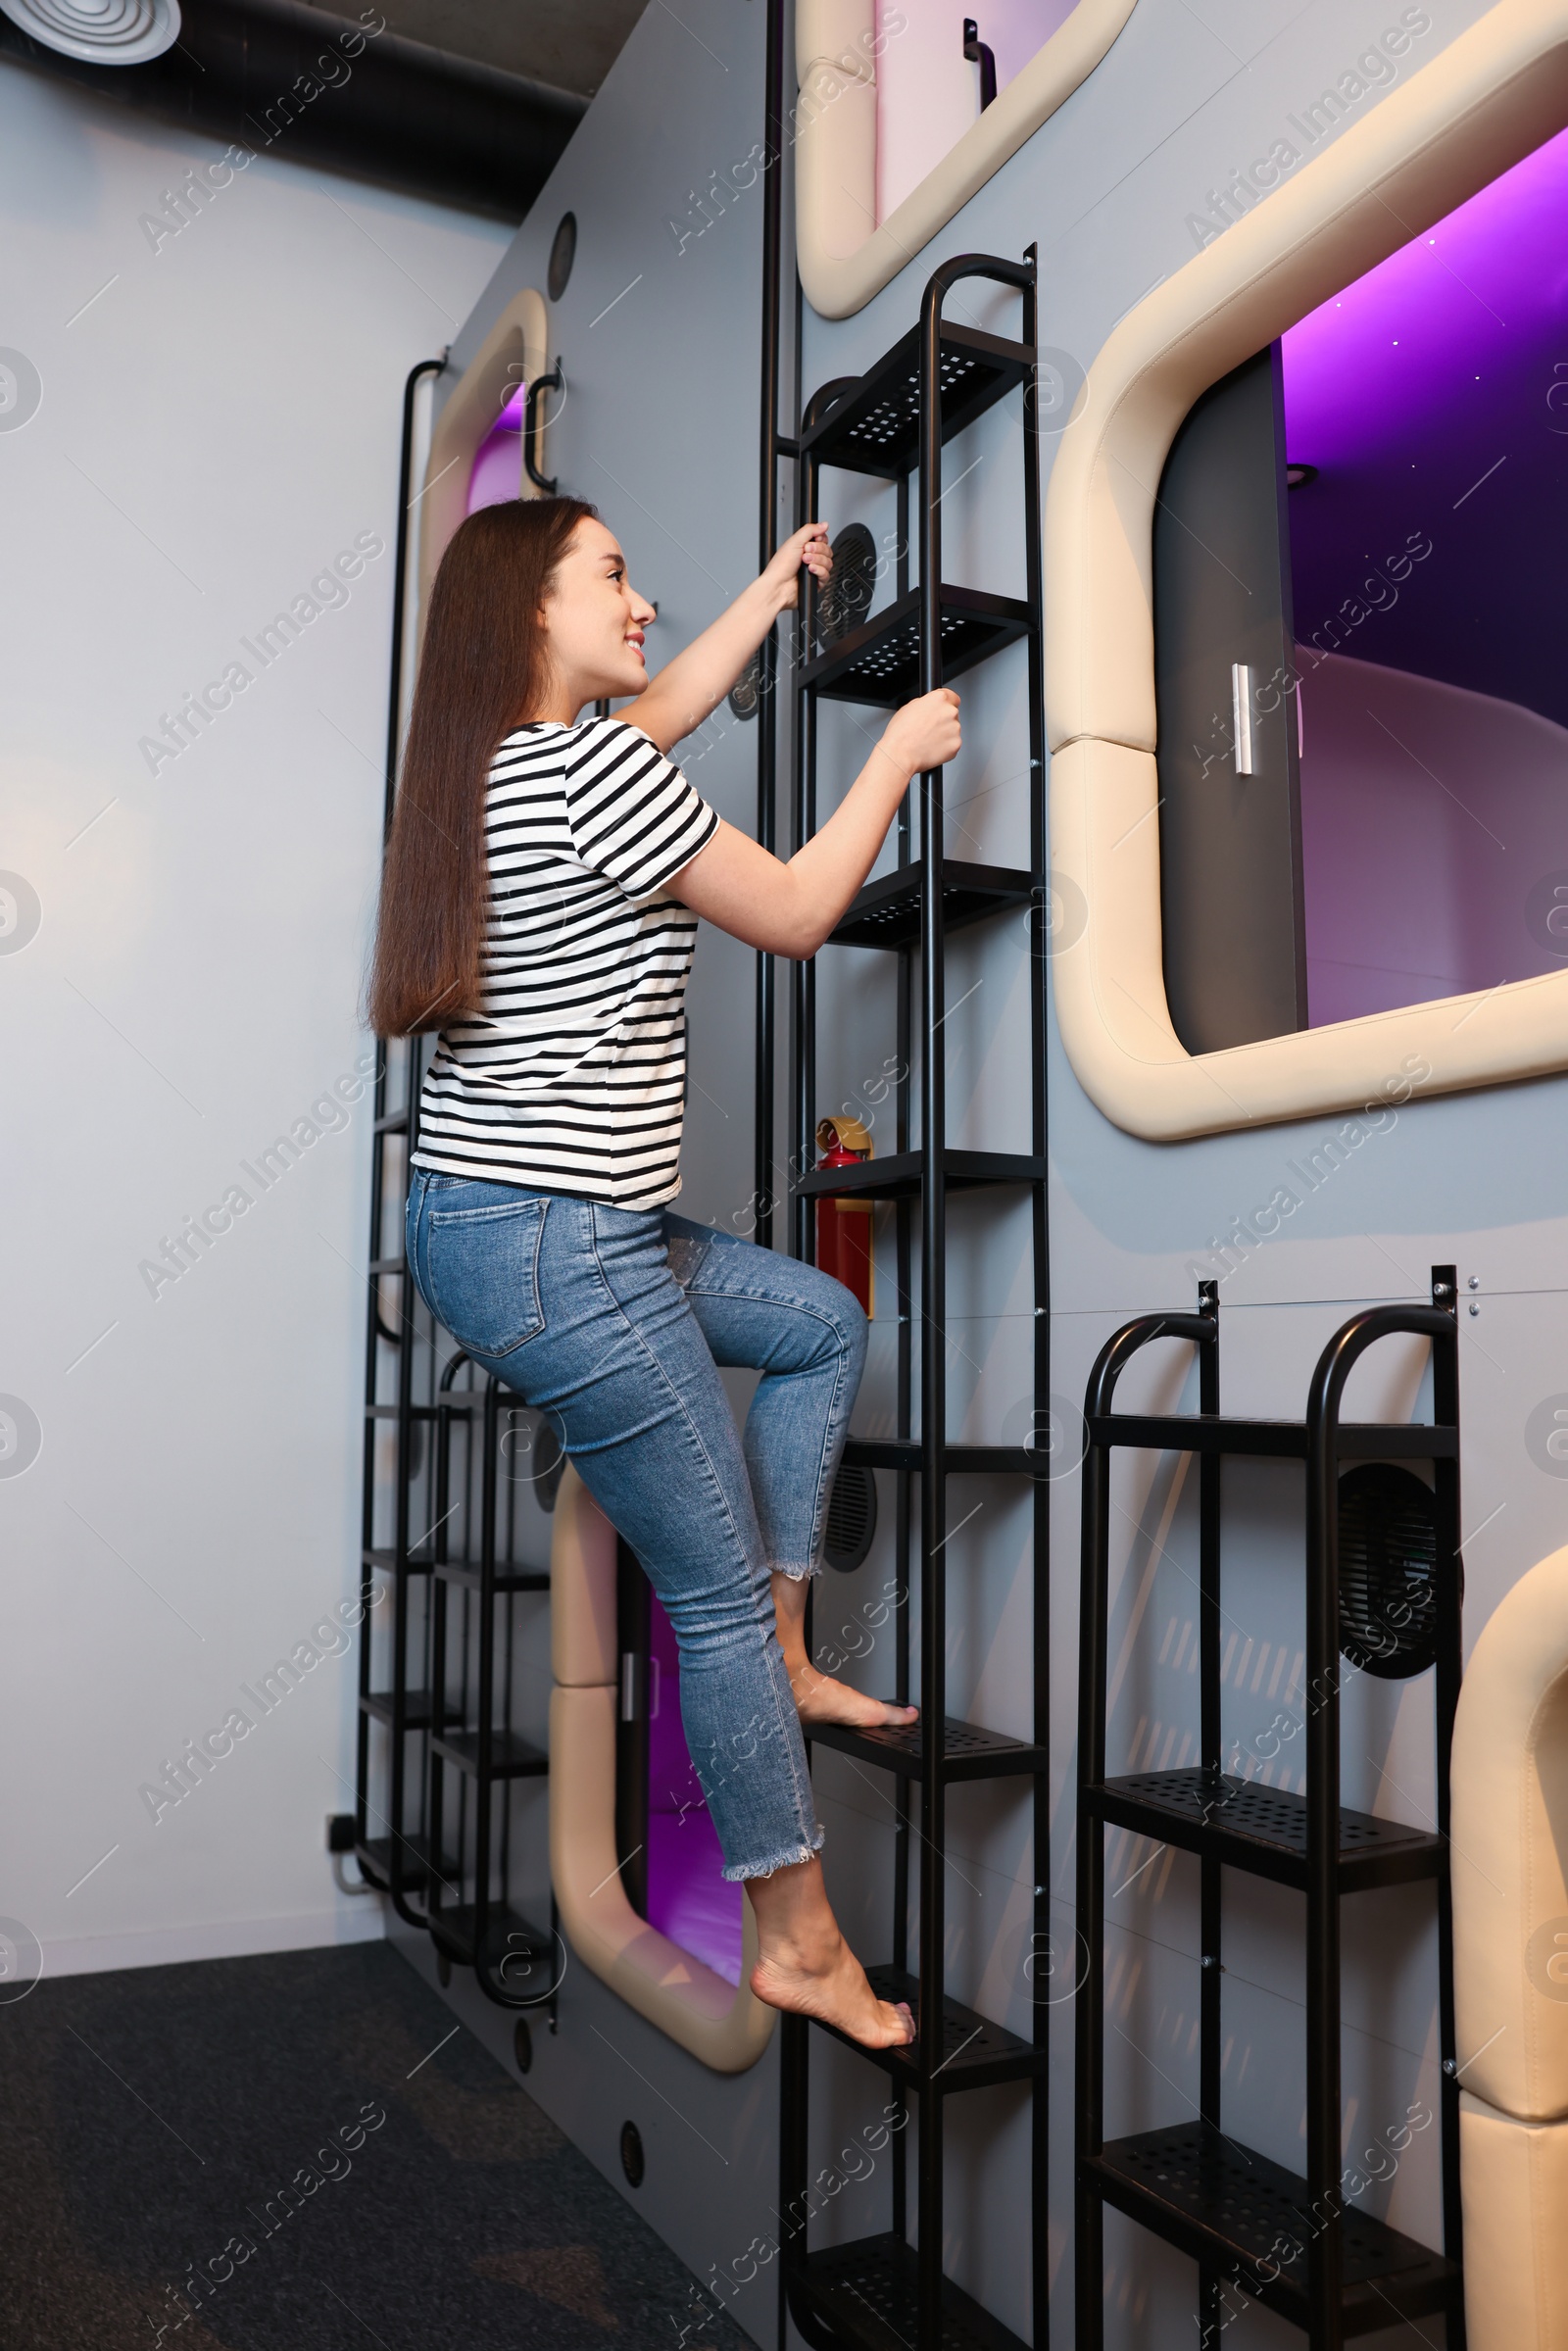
(687, 688)
(809, 547)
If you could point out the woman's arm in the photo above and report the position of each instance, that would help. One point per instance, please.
(696, 681)
(790, 908)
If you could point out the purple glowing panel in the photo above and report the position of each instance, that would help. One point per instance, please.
(688, 1899)
(497, 473)
(1432, 394)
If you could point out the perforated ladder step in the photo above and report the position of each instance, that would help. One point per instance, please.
(968, 1750)
(1258, 1828)
(879, 662)
(869, 2292)
(875, 426)
(1226, 2205)
(972, 2051)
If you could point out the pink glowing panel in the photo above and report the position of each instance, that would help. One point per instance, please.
(1429, 816)
(689, 1899)
(498, 463)
(928, 92)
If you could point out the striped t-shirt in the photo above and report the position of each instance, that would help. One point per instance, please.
(571, 1077)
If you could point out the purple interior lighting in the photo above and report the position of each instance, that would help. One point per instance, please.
(1432, 396)
(1426, 561)
(689, 1899)
(497, 473)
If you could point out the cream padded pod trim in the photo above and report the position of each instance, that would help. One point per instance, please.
(835, 185)
(1496, 92)
(1509, 1835)
(1514, 2178)
(842, 30)
(582, 1590)
(514, 350)
(838, 276)
(1110, 990)
(1499, 90)
(725, 2025)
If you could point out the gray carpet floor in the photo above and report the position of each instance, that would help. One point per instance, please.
(168, 2124)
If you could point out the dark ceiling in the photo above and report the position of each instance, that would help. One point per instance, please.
(572, 43)
(468, 101)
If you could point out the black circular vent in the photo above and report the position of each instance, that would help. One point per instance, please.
(631, 2154)
(562, 253)
(1388, 1570)
(851, 1519)
(847, 599)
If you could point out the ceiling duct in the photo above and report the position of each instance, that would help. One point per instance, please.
(313, 88)
(105, 33)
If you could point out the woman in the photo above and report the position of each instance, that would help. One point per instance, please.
(543, 881)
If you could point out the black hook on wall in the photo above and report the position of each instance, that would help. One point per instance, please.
(978, 54)
(554, 381)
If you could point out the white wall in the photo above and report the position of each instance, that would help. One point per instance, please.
(220, 418)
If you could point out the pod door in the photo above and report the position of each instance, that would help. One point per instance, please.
(1232, 910)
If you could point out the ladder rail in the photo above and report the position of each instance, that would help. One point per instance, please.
(764, 1175)
(1324, 2098)
(922, 1785)
(377, 1333)
(1201, 1331)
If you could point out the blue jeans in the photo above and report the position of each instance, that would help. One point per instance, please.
(611, 1321)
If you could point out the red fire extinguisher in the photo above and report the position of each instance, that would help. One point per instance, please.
(844, 1226)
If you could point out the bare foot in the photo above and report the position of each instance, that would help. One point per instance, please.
(832, 1986)
(805, 1967)
(818, 1698)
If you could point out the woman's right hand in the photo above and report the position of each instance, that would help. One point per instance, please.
(791, 910)
(924, 733)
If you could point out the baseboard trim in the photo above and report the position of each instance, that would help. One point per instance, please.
(214, 1938)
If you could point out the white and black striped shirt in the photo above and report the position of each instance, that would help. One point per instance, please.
(572, 1076)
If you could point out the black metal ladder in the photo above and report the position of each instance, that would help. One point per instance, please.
(1298, 2244)
(440, 1851)
(433, 1696)
(881, 2292)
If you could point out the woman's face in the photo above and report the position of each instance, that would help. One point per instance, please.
(594, 620)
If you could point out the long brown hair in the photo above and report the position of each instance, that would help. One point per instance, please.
(481, 674)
